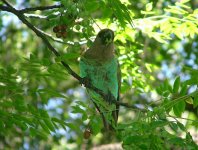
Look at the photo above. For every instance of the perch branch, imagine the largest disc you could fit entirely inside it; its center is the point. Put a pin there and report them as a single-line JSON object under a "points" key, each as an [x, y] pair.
{"points": [[26, 10]]}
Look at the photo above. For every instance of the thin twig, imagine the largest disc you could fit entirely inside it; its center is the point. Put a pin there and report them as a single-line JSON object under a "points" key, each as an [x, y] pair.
{"points": [[36, 16], [182, 118], [60, 40]]}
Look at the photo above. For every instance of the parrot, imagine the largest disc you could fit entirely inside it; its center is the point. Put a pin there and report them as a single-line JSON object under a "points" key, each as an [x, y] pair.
{"points": [[100, 66]]}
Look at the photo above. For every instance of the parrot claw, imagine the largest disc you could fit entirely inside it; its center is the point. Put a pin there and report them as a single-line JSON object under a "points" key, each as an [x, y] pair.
{"points": [[85, 81]]}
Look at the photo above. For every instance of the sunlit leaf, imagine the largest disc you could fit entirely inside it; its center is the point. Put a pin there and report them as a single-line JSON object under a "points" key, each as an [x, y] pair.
{"points": [[149, 6]]}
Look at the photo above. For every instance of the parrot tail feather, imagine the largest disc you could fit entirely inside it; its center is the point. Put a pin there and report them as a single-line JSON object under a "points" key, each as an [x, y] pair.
{"points": [[107, 126]]}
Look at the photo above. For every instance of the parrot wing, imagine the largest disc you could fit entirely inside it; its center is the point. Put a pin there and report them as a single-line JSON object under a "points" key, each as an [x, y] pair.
{"points": [[104, 77], [116, 112]]}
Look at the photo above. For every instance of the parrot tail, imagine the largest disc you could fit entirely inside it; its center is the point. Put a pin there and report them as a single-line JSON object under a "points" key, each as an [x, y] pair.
{"points": [[107, 126]]}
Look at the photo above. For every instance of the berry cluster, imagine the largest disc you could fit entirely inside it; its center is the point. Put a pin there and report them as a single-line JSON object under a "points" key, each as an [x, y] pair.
{"points": [[60, 30]]}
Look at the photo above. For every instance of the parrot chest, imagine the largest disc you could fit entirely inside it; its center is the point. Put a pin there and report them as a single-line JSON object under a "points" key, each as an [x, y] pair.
{"points": [[102, 75]]}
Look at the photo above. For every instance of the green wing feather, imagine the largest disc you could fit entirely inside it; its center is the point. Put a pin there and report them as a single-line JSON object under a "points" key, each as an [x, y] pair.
{"points": [[105, 76]]}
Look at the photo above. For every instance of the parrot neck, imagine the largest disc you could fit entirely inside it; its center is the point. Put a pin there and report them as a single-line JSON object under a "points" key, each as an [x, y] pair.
{"points": [[103, 53]]}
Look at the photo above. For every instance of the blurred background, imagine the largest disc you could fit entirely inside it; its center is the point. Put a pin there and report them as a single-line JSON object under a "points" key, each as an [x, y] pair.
{"points": [[44, 107]]}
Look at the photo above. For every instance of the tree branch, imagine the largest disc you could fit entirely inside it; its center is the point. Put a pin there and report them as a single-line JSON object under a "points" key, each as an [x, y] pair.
{"points": [[25, 10]]}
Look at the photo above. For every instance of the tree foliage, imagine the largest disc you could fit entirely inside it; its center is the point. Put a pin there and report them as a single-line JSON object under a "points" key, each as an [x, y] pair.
{"points": [[42, 104]]}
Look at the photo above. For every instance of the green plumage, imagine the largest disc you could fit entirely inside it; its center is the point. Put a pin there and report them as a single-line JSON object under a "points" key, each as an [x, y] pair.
{"points": [[102, 75], [100, 66]]}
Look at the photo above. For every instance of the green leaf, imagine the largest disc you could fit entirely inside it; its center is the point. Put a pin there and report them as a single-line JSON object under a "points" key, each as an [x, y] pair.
{"points": [[181, 126], [43, 113], [173, 126], [67, 57], [19, 103], [1, 125], [166, 93], [134, 139], [176, 85], [20, 124], [183, 90], [33, 132], [184, 1], [72, 126], [189, 137], [123, 125], [65, 2], [147, 12], [33, 110], [42, 135], [189, 100], [11, 70], [182, 5], [52, 16], [195, 101], [77, 109], [83, 104], [167, 86], [149, 6], [96, 124], [179, 108], [159, 90], [192, 81], [46, 62], [167, 105], [158, 123], [49, 124], [121, 12], [50, 92], [61, 122], [176, 141], [91, 5], [45, 127], [176, 10], [25, 119], [148, 67]]}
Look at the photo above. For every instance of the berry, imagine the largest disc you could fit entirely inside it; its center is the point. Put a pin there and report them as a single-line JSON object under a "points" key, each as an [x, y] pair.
{"points": [[58, 35], [55, 29], [87, 134], [63, 27], [64, 34]]}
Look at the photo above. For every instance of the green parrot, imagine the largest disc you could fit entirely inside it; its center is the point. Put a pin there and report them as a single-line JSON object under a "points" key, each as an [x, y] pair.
{"points": [[100, 66]]}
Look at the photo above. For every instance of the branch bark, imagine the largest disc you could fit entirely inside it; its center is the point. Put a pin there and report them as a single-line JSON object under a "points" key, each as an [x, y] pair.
{"points": [[26, 10]]}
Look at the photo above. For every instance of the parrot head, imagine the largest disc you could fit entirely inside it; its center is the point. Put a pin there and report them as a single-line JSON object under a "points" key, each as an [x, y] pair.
{"points": [[106, 36]]}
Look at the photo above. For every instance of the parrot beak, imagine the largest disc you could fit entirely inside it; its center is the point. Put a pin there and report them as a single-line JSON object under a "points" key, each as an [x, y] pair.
{"points": [[106, 36]]}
